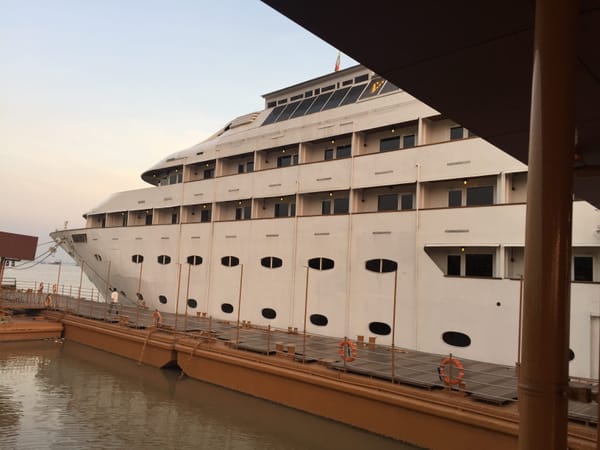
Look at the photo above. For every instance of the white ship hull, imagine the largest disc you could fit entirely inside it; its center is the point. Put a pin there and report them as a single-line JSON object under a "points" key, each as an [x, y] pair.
{"points": [[457, 282]]}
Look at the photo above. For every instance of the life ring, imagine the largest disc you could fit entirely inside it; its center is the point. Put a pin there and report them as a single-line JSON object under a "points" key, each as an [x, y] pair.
{"points": [[347, 350], [450, 360], [48, 301], [157, 317], [54, 288]]}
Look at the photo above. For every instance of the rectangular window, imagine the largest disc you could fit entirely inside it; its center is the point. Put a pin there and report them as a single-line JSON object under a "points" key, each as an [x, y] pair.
{"points": [[174, 218], [287, 160], [328, 154], [124, 220], [247, 212], [456, 133], [341, 205], [281, 210], [205, 215], [250, 166], [343, 151], [240, 168], [583, 268], [148, 219], [389, 144], [173, 179], [209, 173], [453, 267], [407, 201], [408, 141], [326, 207], [292, 209], [454, 198], [483, 195], [477, 265], [238, 213], [387, 202]]}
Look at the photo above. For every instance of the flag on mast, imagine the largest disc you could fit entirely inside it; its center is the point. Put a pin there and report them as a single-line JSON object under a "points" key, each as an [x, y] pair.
{"points": [[337, 62]]}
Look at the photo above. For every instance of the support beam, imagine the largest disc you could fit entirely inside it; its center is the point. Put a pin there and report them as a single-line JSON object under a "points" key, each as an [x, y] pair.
{"points": [[544, 372]]}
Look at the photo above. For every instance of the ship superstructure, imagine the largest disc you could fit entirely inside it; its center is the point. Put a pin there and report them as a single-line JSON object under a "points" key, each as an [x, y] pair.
{"points": [[350, 199]]}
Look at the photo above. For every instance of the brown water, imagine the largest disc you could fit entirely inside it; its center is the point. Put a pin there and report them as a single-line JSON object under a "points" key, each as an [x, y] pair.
{"points": [[67, 396]]}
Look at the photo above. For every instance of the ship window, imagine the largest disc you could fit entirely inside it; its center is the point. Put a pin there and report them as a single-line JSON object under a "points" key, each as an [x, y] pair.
{"points": [[319, 320], [194, 260], [268, 313], [209, 173], [389, 144], [571, 355], [483, 195], [230, 261], [346, 82], [285, 209], [374, 88], [341, 205], [380, 328], [139, 296], [456, 339], [326, 207], [389, 87], [192, 303], [138, 259], [408, 141], [271, 262], [80, 238], [319, 103], [353, 95], [387, 202], [148, 219], [271, 104], [406, 201], [454, 198], [328, 88], [227, 308], [321, 263], [479, 265], [328, 154], [287, 112], [583, 268], [162, 299], [343, 151], [361, 78], [296, 97], [243, 213], [453, 265], [336, 98], [164, 259], [456, 133], [205, 215], [303, 107], [381, 265]]}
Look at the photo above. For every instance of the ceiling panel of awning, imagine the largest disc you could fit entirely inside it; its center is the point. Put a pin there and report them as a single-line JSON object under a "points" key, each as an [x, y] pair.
{"points": [[470, 60]]}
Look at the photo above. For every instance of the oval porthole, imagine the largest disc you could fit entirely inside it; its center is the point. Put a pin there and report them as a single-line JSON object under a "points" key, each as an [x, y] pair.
{"points": [[227, 308], [271, 262], [571, 355], [139, 296], [192, 303], [319, 320], [162, 299], [380, 328], [381, 265], [230, 261], [268, 313], [321, 263], [456, 339], [164, 259], [137, 259], [194, 260]]}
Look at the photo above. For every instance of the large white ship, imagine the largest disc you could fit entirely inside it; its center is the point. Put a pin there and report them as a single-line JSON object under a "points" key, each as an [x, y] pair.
{"points": [[349, 197]]}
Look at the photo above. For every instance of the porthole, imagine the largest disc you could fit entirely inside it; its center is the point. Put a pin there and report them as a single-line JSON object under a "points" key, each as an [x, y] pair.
{"points": [[227, 308], [571, 355], [381, 265], [268, 313], [456, 339], [98, 257], [230, 261], [321, 263], [164, 259], [137, 259], [271, 262], [319, 320], [380, 328], [162, 299], [192, 303], [194, 260], [139, 296]]}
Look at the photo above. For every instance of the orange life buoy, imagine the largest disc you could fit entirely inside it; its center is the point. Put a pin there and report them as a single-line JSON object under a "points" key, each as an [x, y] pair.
{"points": [[450, 360], [48, 301], [347, 350], [54, 288]]}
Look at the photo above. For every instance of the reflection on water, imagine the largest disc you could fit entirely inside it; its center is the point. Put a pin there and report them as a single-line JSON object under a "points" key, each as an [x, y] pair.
{"points": [[68, 396]]}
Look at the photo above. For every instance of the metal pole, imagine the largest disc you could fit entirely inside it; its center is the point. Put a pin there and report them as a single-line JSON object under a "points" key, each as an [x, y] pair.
{"points": [[543, 381], [187, 297], [305, 313], [394, 326], [177, 299], [237, 336], [137, 295], [106, 299], [519, 343], [79, 291], [58, 278]]}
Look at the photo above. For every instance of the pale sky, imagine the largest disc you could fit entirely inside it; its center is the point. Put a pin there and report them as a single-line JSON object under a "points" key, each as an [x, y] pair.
{"points": [[94, 92]]}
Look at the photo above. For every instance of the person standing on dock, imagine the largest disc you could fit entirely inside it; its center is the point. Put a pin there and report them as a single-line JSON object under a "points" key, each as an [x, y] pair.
{"points": [[114, 300]]}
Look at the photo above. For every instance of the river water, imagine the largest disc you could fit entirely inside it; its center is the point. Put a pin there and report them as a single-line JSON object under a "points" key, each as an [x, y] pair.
{"points": [[63, 395]]}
